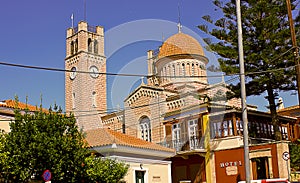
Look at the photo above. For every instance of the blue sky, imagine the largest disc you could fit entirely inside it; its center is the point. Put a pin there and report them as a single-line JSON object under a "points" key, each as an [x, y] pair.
{"points": [[33, 33]]}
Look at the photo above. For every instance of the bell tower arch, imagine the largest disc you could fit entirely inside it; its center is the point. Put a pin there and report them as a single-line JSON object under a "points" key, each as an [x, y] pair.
{"points": [[85, 84]]}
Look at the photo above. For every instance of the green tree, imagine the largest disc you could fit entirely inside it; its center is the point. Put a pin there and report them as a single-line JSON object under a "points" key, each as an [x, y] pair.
{"points": [[268, 51], [3, 153], [105, 170], [294, 156], [44, 140]]}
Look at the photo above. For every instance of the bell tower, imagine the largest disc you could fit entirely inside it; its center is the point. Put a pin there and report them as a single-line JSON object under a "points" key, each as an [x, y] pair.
{"points": [[85, 84]]}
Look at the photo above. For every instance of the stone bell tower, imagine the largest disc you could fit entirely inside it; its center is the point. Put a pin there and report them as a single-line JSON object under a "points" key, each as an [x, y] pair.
{"points": [[85, 83]]}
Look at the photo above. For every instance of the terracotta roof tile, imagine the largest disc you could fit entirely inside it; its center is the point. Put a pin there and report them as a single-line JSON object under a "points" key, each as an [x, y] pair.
{"points": [[105, 136], [180, 43], [21, 105]]}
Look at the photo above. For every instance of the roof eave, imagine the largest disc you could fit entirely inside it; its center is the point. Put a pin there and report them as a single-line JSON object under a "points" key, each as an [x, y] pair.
{"points": [[132, 151]]}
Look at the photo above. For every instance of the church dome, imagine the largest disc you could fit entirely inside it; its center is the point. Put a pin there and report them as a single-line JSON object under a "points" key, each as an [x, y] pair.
{"points": [[180, 44]]}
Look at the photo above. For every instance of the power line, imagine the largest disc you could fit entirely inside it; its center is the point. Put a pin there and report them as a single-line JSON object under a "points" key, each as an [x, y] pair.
{"points": [[140, 75]]}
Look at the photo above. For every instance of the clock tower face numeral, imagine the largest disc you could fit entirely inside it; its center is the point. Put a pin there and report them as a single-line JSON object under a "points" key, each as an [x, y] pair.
{"points": [[94, 71], [73, 73]]}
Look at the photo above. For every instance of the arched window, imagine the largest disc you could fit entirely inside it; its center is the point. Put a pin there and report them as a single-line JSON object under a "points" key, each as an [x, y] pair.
{"points": [[76, 46], [169, 72], [188, 69], [96, 46], [165, 74], [72, 48], [174, 72], [183, 69], [90, 45], [94, 101], [193, 69], [145, 128]]}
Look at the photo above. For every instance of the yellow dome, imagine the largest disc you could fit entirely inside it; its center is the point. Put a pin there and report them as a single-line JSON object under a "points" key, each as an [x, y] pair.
{"points": [[180, 44]]}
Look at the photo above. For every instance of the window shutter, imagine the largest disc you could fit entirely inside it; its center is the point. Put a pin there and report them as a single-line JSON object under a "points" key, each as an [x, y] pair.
{"points": [[168, 129]]}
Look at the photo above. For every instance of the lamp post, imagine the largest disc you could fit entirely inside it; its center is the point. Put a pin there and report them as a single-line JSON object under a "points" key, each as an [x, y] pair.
{"points": [[243, 91]]}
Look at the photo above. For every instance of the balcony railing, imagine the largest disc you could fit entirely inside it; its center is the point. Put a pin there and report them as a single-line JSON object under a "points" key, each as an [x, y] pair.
{"points": [[185, 144]]}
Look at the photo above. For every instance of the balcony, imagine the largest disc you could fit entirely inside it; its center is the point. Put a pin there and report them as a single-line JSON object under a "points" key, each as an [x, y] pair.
{"points": [[185, 144]]}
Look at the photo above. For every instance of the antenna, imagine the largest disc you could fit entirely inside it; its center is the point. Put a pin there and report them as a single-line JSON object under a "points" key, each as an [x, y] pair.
{"points": [[84, 9], [179, 21]]}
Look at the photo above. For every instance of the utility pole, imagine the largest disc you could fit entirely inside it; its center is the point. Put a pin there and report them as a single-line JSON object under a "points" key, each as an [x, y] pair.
{"points": [[243, 91], [294, 43]]}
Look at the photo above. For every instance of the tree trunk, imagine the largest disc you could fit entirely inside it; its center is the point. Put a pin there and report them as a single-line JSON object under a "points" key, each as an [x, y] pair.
{"points": [[275, 120]]}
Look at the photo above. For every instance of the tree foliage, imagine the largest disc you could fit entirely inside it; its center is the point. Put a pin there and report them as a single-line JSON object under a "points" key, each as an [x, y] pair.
{"points": [[105, 170], [49, 140], [44, 140], [3, 153], [294, 156], [268, 51]]}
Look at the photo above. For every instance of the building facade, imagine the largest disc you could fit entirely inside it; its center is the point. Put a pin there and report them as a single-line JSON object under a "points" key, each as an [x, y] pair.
{"points": [[148, 162], [179, 109], [85, 83]]}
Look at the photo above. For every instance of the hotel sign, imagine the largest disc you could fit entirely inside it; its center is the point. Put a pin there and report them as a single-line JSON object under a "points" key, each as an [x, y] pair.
{"points": [[230, 163], [231, 167]]}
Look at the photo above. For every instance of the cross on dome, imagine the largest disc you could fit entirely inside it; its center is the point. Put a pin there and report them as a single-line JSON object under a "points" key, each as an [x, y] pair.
{"points": [[179, 27]]}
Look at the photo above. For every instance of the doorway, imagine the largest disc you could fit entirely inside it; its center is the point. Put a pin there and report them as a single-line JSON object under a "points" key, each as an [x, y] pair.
{"points": [[260, 168], [139, 176]]}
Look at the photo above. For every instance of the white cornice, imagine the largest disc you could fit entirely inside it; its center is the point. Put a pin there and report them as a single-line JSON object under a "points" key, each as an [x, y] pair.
{"points": [[141, 160], [121, 149]]}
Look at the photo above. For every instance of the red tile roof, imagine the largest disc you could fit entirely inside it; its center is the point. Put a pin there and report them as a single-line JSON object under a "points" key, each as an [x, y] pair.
{"points": [[180, 43], [21, 105], [105, 136]]}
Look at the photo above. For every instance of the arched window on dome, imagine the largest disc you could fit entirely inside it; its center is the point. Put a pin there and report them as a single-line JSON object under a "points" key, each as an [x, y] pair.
{"points": [[197, 69], [174, 71], [164, 74], [169, 71], [183, 69], [193, 70], [178, 68], [188, 69], [145, 128]]}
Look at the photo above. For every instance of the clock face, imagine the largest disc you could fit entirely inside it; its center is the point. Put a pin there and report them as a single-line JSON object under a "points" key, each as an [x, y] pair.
{"points": [[73, 73], [94, 72]]}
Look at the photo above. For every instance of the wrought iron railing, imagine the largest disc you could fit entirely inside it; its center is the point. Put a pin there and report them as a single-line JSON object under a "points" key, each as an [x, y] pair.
{"points": [[185, 144]]}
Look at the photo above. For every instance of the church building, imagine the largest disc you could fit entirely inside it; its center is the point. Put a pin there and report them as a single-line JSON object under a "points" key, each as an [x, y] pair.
{"points": [[177, 108]]}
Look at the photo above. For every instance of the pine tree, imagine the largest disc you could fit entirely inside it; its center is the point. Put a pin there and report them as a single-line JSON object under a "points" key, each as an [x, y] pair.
{"points": [[268, 51]]}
